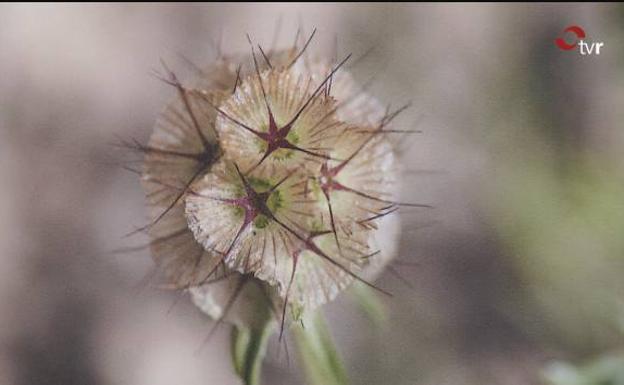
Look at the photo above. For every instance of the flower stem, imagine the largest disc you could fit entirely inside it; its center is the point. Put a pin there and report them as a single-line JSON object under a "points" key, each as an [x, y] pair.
{"points": [[249, 347], [319, 357]]}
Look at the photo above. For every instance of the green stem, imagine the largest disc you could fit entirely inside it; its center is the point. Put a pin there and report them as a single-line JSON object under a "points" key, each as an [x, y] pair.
{"points": [[320, 359], [248, 350], [369, 303]]}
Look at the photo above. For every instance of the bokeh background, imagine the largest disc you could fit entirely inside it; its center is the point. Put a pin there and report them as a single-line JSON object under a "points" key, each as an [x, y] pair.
{"points": [[516, 277]]}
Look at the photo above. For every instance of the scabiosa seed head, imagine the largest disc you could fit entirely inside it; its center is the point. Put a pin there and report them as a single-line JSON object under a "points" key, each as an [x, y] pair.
{"points": [[271, 179]]}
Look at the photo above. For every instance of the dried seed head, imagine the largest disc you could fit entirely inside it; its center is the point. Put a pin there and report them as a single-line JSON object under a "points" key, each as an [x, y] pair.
{"points": [[279, 174]]}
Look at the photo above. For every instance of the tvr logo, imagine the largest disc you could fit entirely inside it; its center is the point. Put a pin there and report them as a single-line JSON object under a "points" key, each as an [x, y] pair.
{"points": [[584, 48]]}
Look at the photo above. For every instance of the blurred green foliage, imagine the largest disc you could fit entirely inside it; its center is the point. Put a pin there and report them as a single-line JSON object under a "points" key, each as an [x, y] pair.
{"points": [[606, 370]]}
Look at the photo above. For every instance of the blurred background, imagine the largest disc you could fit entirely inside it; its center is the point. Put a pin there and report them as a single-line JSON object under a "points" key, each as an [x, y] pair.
{"points": [[514, 278]]}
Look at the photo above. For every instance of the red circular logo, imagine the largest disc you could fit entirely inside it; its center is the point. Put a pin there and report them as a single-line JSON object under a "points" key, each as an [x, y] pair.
{"points": [[576, 30]]}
